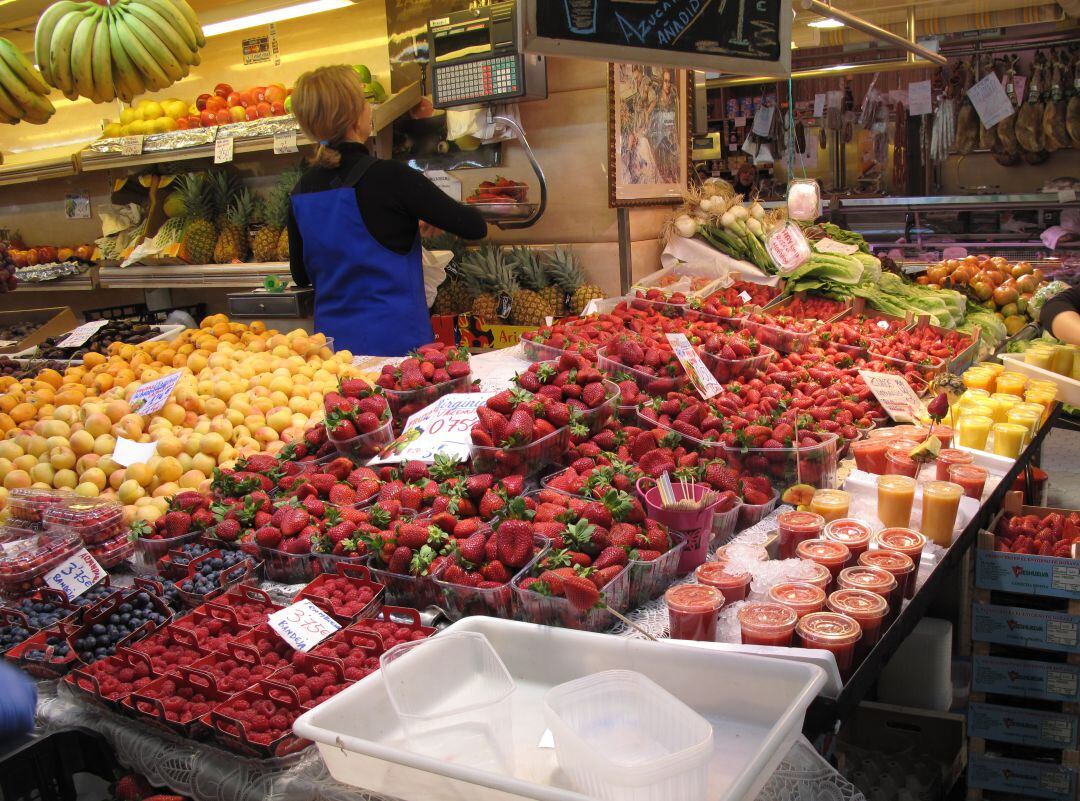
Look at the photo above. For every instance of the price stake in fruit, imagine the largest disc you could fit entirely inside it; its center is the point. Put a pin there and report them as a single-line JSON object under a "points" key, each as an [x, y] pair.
{"points": [[444, 427], [303, 625], [75, 575], [152, 396], [894, 394], [704, 381], [81, 334]]}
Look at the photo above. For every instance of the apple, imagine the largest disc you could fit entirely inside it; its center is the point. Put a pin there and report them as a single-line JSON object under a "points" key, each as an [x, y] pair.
{"points": [[84, 252], [252, 112], [423, 109], [233, 99], [237, 113], [200, 101], [224, 117], [245, 99], [33, 257], [195, 120], [47, 253], [208, 118], [183, 123], [223, 90], [288, 104], [275, 93], [216, 104], [277, 108], [264, 109], [258, 94], [65, 254]]}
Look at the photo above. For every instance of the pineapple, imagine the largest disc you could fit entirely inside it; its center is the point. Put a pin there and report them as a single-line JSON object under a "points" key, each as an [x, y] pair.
{"points": [[530, 305], [283, 245], [453, 297], [265, 243], [566, 273], [232, 242], [488, 277], [200, 234], [224, 187]]}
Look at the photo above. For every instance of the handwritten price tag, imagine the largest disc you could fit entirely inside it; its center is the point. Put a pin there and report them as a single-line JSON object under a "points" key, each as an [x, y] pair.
{"points": [[819, 104], [284, 143], [919, 98], [788, 248], [744, 296], [827, 245], [152, 396], [131, 146], [883, 325], [76, 575], [703, 380], [894, 394], [442, 428], [223, 150], [991, 102], [303, 625], [81, 334]]}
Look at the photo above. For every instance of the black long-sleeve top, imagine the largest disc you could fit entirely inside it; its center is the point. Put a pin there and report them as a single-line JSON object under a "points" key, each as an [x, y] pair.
{"points": [[392, 198], [1069, 300]]}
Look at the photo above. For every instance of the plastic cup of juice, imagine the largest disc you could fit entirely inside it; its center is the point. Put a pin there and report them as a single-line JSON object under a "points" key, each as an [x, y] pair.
{"points": [[875, 580], [831, 504], [868, 608], [832, 632], [767, 624], [1039, 357], [1010, 383], [947, 457], [901, 566], [733, 586], [915, 433], [977, 378], [971, 477], [1042, 396], [833, 555], [803, 598], [1042, 409], [994, 367], [898, 462], [943, 433], [972, 395], [819, 575], [1009, 439], [984, 408], [1042, 383], [1027, 418], [1002, 404], [852, 533], [870, 453], [940, 503], [895, 494], [741, 551], [908, 542], [973, 430], [794, 527], [882, 433], [692, 611]]}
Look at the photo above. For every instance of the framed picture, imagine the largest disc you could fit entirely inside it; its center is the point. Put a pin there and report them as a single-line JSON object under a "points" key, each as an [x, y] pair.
{"points": [[648, 134]]}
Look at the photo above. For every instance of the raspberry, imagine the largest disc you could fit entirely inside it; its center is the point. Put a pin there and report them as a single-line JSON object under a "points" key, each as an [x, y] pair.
{"points": [[259, 723]]}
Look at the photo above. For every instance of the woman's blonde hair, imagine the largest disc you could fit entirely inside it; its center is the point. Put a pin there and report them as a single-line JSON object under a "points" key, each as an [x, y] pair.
{"points": [[327, 103]]}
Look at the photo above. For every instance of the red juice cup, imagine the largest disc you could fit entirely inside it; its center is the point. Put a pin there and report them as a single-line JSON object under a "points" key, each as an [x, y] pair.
{"points": [[943, 433], [900, 565], [767, 624], [883, 433], [870, 454], [875, 580], [910, 543], [971, 477], [831, 554], [734, 586], [899, 463], [915, 433], [692, 611], [855, 534], [821, 576], [803, 598], [741, 550], [794, 527], [868, 608], [947, 457], [832, 632]]}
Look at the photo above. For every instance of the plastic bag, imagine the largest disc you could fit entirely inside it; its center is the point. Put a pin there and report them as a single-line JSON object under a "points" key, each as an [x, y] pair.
{"points": [[435, 262]]}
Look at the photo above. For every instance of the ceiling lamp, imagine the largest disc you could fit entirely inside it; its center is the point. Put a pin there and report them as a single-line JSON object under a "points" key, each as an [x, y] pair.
{"points": [[826, 23], [273, 15]]}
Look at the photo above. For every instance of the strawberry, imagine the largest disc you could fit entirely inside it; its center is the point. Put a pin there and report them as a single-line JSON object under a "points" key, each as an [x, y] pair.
{"points": [[472, 548], [293, 521], [495, 572], [412, 535], [593, 395], [581, 593], [342, 494], [399, 560], [313, 506], [268, 537], [228, 530], [366, 422], [609, 557], [177, 524], [514, 542]]}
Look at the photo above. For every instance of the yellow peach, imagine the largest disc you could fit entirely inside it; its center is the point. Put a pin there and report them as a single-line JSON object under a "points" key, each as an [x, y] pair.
{"points": [[65, 479]]}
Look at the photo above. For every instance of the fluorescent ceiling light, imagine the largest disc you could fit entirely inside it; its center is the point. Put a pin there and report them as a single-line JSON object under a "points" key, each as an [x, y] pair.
{"points": [[276, 15], [826, 23]]}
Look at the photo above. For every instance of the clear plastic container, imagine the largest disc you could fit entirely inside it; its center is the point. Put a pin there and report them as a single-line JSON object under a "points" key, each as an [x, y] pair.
{"points": [[288, 568], [595, 419], [767, 624], [815, 465], [555, 611], [752, 514], [405, 590], [692, 611], [831, 504], [899, 565], [875, 580], [95, 520], [460, 600], [725, 370], [804, 598], [724, 524], [794, 527], [28, 505], [734, 586], [465, 717], [621, 737], [148, 551], [524, 459], [364, 446], [868, 608], [112, 552], [650, 384], [927, 372], [407, 402], [777, 337], [852, 533], [832, 632], [24, 563], [648, 580], [947, 457], [971, 477], [833, 555], [908, 542]]}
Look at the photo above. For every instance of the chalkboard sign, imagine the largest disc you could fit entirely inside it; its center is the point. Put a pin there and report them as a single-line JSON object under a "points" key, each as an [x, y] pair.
{"points": [[746, 37]]}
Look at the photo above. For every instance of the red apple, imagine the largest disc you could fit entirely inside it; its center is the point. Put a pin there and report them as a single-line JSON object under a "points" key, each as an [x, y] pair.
{"points": [[275, 93], [208, 119], [224, 117], [47, 254], [182, 123], [200, 101], [252, 112], [245, 100], [258, 94], [277, 108], [223, 90], [264, 109], [216, 103], [195, 121], [233, 99]]}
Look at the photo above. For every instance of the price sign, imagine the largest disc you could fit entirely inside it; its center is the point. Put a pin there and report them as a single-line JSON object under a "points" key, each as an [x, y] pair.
{"points": [[303, 625], [819, 105], [744, 296], [788, 248], [446, 182], [284, 143], [1066, 195], [991, 102], [883, 325], [75, 575], [131, 146], [152, 396], [81, 334], [703, 380], [827, 245], [223, 150], [128, 452], [763, 120], [9, 343], [894, 394], [919, 101], [444, 427]]}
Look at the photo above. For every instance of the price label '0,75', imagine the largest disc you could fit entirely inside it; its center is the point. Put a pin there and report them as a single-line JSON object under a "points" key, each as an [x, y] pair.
{"points": [[303, 625]]}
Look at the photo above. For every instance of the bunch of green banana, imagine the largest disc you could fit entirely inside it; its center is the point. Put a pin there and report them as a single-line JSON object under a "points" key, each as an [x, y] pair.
{"points": [[119, 50], [23, 94]]}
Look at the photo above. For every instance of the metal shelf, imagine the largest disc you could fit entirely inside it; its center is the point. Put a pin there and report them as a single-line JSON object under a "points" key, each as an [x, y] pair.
{"points": [[23, 168], [225, 276], [81, 283], [952, 202]]}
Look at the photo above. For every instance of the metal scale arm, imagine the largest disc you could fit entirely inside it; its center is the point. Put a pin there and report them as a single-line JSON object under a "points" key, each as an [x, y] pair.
{"points": [[539, 211]]}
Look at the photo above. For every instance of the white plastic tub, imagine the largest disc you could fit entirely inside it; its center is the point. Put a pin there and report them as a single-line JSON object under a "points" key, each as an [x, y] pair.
{"points": [[754, 704]]}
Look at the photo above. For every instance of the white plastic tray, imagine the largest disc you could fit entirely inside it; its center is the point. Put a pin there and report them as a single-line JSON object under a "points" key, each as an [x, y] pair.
{"points": [[756, 706], [1068, 389]]}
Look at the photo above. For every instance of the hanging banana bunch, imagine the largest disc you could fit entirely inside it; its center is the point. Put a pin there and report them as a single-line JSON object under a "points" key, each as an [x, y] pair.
{"points": [[119, 50], [23, 94]]}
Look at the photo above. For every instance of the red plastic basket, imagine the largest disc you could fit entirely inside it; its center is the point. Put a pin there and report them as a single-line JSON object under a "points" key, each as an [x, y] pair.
{"points": [[233, 734], [359, 579], [146, 704]]}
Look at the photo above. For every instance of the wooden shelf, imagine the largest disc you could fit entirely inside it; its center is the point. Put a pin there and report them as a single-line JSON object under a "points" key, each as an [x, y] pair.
{"points": [[22, 168], [225, 276], [80, 283]]}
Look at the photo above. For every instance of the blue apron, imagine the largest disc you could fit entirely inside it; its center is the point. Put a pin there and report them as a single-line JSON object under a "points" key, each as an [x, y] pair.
{"points": [[367, 297]]}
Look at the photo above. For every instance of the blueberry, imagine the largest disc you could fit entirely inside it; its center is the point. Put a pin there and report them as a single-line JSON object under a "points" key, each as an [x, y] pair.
{"points": [[98, 629]]}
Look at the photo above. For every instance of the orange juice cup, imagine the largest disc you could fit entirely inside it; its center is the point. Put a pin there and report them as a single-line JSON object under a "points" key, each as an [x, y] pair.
{"points": [[975, 378], [831, 504], [868, 608], [1009, 439], [973, 429], [1011, 383], [875, 580], [895, 494], [947, 457], [833, 555], [940, 503], [943, 433], [908, 542], [853, 534], [832, 632], [820, 577], [1003, 403], [899, 463], [971, 477], [692, 611], [1028, 418], [1043, 409], [734, 586], [994, 367], [1043, 397], [870, 453], [767, 624], [794, 527], [803, 598]]}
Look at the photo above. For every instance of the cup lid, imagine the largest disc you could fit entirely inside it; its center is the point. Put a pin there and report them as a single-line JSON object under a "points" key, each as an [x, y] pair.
{"points": [[896, 482], [859, 604], [834, 495], [955, 456], [693, 598], [866, 577], [796, 519], [942, 489], [742, 551], [718, 573], [822, 549], [829, 628], [968, 471], [797, 592], [890, 561], [817, 574], [901, 539], [848, 530], [768, 616]]}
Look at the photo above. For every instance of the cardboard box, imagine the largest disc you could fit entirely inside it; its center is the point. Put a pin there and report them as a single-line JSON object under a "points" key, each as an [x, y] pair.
{"points": [[1025, 628], [1025, 678], [55, 320], [1022, 777], [1009, 724], [479, 334]]}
